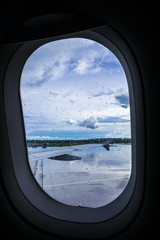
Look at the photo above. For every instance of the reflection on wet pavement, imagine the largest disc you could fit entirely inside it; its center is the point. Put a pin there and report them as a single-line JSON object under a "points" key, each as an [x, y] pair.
{"points": [[96, 179]]}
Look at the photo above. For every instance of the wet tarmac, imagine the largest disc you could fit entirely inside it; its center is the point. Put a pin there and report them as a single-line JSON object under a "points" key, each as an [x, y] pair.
{"points": [[93, 179]]}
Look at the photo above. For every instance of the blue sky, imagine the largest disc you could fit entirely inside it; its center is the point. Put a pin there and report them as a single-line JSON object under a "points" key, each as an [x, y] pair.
{"points": [[73, 89]]}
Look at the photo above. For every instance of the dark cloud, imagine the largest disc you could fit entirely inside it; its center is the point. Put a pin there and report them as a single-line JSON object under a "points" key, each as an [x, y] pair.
{"points": [[112, 119], [88, 123], [123, 100], [110, 63], [104, 93], [54, 94]]}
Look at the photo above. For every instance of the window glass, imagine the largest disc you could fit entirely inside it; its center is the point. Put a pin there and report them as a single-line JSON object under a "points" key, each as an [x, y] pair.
{"points": [[76, 109]]}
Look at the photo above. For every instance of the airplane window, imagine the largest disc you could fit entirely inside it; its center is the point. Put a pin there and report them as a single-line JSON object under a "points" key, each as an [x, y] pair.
{"points": [[76, 108]]}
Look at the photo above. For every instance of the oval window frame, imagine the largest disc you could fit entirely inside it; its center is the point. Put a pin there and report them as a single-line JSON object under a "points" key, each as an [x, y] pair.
{"points": [[23, 108], [40, 203]]}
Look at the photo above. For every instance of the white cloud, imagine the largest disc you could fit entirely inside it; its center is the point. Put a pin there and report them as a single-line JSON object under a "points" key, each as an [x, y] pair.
{"points": [[53, 60], [58, 83], [81, 66], [71, 121], [42, 138]]}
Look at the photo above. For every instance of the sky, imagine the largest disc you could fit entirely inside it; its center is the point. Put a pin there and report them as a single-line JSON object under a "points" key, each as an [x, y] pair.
{"points": [[74, 89]]}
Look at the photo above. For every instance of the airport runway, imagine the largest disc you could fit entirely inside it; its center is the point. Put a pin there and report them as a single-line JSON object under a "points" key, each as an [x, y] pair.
{"points": [[96, 179]]}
